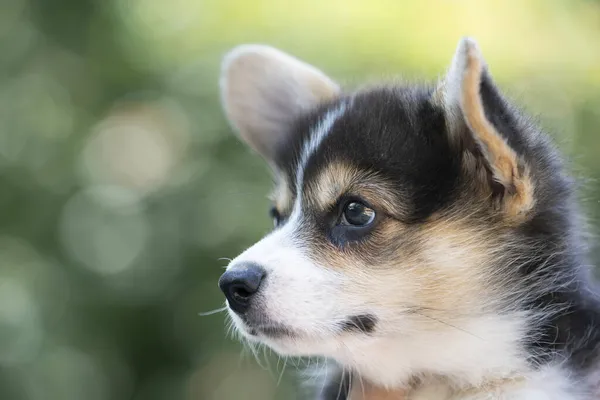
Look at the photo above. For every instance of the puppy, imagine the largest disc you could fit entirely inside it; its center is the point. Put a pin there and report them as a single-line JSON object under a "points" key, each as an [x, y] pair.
{"points": [[426, 237]]}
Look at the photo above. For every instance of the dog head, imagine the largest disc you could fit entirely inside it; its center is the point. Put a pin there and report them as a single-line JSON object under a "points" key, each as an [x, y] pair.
{"points": [[397, 209]]}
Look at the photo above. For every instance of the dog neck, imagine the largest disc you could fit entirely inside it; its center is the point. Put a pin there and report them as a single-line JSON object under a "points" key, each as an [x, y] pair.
{"points": [[477, 351]]}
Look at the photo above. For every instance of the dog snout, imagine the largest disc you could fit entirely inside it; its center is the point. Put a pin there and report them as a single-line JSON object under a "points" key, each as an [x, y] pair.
{"points": [[240, 283]]}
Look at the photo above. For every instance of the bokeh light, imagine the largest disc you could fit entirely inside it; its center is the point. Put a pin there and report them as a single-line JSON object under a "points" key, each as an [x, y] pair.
{"points": [[106, 238], [69, 374], [20, 328]]}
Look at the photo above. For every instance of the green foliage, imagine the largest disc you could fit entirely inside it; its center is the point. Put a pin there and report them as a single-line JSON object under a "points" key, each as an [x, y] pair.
{"points": [[122, 185]]}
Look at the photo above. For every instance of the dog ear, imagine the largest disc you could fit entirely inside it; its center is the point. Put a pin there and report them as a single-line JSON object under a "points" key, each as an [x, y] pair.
{"points": [[262, 88], [486, 150]]}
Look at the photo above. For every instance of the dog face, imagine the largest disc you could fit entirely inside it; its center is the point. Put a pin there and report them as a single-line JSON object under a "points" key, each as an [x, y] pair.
{"points": [[394, 208]]}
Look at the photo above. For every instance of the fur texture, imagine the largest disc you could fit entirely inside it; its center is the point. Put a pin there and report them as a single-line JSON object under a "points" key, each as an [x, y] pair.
{"points": [[469, 281]]}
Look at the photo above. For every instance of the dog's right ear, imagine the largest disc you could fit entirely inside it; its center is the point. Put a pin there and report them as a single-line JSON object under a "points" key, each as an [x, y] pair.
{"points": [[262, 88]]}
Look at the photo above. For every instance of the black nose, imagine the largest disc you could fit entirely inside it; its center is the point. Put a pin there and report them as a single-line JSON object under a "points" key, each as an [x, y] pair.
{"points": [[240, 283]]}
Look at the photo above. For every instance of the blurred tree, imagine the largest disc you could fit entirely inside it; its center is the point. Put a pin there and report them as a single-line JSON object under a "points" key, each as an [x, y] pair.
{"points": [[122, 185]]}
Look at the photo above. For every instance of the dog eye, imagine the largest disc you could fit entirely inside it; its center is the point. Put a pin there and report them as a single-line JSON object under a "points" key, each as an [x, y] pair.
{"points": [[357, 214], [275, 216]]}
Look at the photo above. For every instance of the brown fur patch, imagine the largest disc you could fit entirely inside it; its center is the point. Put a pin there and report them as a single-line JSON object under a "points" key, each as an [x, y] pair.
{"points": [[459, 95], [281, 196], [507, 168], [452, 266], [366, 391], [339, 179]]}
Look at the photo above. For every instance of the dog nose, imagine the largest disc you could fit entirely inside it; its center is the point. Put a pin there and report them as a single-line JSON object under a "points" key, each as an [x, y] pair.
{"points": [[240, 283]]}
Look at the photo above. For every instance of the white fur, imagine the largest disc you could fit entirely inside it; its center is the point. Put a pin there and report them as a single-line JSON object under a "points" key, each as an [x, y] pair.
{"points": [[487, 346], [453, 82], [293, 279], [297, 293], [316, 138], [549, 383]]}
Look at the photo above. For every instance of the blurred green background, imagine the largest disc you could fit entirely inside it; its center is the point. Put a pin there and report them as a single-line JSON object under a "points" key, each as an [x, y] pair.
{"points": [[122, 186]]}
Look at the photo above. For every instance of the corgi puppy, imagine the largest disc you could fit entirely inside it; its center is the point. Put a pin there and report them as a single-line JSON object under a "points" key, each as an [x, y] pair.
{"points": [[426, 239]]}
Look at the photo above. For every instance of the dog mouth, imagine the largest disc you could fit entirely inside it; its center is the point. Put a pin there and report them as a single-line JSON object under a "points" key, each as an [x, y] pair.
{"points": [[272, 331], [363, 323]]}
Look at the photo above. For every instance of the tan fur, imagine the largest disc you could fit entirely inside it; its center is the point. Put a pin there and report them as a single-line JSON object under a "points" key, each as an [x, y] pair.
{"points": [[451, 266], [460, 95], [367, 391], [429, 390], [338, 179], [503, 160], [438, 389], [281, 196]]}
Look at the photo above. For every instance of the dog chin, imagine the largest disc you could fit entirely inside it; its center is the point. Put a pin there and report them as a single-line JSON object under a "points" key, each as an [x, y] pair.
{"points": [[285, 340]]}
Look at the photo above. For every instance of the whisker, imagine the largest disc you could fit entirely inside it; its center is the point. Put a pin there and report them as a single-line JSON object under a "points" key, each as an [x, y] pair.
{"points": [[267, 362], [362, 385], [255, 351], [282, 371], [447, 324], [212, 312], [324, 382], [350, 376], [342, 383], [243, 356]]}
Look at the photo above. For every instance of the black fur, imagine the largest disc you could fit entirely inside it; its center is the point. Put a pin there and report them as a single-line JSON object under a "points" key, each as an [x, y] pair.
{"points": [[360, 323], [573, 332]]}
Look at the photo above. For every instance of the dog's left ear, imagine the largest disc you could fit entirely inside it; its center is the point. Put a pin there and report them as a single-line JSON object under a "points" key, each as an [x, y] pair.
{"points": [[463, 95]]}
